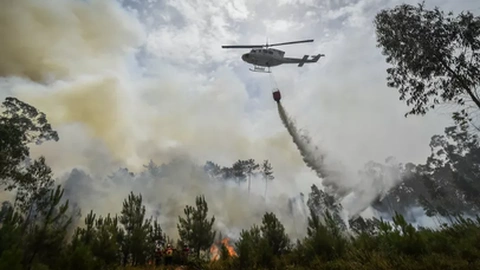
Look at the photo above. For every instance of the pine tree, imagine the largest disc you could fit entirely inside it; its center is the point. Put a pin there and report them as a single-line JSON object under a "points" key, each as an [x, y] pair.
{"points": [[267, 173], [136, 229], [195, 229], [245, 170], [273, 232]]}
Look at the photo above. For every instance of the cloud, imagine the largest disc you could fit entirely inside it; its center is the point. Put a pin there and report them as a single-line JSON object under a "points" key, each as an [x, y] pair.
{"points": [[205, 25]]}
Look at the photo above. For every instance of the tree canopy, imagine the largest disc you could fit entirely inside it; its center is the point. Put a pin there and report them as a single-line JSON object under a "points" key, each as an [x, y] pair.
{"points": [[434, 57]]}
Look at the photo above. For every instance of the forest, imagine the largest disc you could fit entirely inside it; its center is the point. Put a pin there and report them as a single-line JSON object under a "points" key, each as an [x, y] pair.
{"points": [[434, 59]]}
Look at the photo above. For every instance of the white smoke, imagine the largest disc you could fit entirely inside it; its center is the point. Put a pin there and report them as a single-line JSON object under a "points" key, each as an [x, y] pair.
{"points": [[165, 195], [75, 61], [76, 64]]}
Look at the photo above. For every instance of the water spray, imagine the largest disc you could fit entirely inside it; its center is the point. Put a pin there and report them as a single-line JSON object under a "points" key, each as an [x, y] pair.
{"points": [[313, 156]]}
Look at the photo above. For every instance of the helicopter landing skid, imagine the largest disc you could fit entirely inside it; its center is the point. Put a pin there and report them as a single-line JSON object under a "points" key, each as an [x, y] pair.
{"points": [[259, 69]]}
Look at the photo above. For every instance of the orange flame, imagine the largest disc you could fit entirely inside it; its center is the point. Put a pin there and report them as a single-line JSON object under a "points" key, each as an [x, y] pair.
{"points": [[215, 251]]}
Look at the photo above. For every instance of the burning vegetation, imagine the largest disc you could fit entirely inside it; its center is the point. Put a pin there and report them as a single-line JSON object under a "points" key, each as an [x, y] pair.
{"points": [[222, 249]]}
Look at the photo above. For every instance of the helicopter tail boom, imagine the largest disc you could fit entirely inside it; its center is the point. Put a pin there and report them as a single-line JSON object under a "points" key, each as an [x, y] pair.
{"points": [[302, 61]]}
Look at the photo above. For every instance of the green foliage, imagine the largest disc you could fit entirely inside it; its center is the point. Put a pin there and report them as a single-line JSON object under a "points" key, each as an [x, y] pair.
{"points": [[325, 240], [20, 125], [274, 234], [46, 234], [81, 257], [102, 239], [195, 229], [261, 245], [248, 246], [11, 259], [445, 185], [321, 203], [135, 237], [435, 57]]}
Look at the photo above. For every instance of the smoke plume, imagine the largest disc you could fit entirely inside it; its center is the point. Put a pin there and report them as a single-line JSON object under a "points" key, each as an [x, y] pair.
{"points": [[76, 61]]}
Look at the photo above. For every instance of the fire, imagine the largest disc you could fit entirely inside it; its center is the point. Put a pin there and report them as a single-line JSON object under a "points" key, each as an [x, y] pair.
{"points": [[215, 249], [214, 252]]}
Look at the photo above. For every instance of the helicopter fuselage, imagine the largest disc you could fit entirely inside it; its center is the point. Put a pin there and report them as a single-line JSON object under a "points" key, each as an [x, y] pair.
{"points": [[265, 57]]}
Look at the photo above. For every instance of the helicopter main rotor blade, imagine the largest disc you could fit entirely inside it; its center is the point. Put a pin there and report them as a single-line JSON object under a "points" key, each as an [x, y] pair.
{"points": [[266, 45], [241, 46], [290, 42]]}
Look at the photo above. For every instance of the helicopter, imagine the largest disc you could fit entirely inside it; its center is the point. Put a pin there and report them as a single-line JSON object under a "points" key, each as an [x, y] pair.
{"points": [[262, 57]]}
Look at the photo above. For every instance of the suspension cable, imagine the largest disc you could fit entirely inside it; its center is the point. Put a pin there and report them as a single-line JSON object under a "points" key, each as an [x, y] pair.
{"points": [[273, 82]]}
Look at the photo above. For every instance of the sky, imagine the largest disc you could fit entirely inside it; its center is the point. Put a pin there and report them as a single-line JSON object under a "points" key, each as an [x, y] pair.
{"points": [[126, 83], [342, 100]]}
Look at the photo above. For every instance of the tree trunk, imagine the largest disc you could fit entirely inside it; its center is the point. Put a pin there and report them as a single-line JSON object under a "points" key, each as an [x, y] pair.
{"points": [[39, 242], [265, 193], [461, 80], [125, 259]]}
